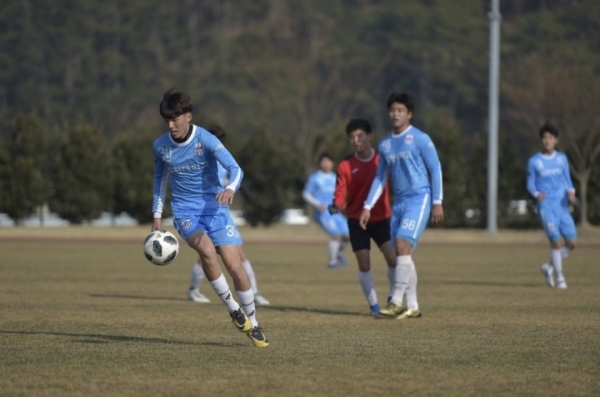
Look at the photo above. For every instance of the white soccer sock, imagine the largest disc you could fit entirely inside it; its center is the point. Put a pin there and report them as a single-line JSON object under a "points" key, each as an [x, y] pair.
{"points": [[564, 252], [248, 268], [247, 303], [334, 249], [556, 263], [197, 276], [368, 286], [222, 289], [411, 291], [404, 266], [391, 272]]}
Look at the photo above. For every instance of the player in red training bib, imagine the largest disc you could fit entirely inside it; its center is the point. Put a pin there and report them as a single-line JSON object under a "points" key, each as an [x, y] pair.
{"points": [[354, 177]]}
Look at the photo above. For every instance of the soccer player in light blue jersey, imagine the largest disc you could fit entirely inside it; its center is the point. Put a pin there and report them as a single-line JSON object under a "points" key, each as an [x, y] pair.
{"points": [[187, 156], [318, 192], [197, 274], [409, 159], [549, 181]]}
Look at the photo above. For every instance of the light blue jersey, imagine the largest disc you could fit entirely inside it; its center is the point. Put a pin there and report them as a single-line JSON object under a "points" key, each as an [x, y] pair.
{"points": [[319, 191], [549, 174], [411, 162], [192, 169], [223, 175]]}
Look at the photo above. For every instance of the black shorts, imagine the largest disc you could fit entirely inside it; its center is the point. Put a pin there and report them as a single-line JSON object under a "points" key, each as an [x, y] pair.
{"points": [[361, 238]]}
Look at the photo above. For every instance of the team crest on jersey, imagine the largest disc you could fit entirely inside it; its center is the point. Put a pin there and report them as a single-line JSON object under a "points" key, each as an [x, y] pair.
{"points": [[386, 145], [199, 149], [165, 153], [409, 139]]}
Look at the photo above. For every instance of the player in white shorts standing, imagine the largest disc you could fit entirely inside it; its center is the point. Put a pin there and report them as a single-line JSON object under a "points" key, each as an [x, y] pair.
{"points": [[197, 274], [409, 159]]}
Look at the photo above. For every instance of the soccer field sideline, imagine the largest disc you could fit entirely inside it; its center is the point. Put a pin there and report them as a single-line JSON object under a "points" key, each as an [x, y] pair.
{"points": [[309, 234]]}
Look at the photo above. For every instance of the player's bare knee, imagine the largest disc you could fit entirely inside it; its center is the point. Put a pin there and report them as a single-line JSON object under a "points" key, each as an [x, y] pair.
{"points": [[403, 247], [555, 245], [571, 245]]}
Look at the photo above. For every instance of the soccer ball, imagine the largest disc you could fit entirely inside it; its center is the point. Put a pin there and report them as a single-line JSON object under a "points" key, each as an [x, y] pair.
{"points": [[161, 247]]}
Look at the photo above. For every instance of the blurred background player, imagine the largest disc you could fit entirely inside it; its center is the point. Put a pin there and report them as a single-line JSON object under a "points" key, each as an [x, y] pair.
{"points": [[549, 181], [318, 192], [187, 157], [409, 158], [354, 177], [197, 275]]}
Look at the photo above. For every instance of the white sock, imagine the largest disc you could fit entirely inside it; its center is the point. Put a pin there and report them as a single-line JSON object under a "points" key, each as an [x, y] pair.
{"points": [[248, 268], [197, 276], [411, 291], [565, 252], [391, 271], [222, 289], [247, 303], [556, 263], [334, 249], [368, 286], [404, 266]]}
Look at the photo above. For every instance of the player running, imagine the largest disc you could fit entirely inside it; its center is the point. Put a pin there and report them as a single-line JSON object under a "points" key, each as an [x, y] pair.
{"points": [[354, 176], [318, 192], [188, 156], [409, 159], [549, 181], [197, 275]]}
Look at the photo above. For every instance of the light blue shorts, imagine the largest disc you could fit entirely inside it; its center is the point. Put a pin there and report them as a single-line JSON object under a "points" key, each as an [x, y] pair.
{"points": [[557, 221], [219, 227], [410, 217], [334, 225]]}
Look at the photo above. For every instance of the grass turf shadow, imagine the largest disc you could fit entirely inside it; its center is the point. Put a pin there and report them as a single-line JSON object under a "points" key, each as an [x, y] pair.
{"points": [[103, 338], [309, 310]]}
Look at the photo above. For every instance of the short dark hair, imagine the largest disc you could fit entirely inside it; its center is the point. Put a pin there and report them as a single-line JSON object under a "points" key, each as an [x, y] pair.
{"points": [[174, 104], [325, 155], [403, 98], [358, 124], [217, 131], [548, 128]]}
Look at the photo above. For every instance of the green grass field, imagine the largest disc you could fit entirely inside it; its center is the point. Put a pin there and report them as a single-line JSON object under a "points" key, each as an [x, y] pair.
{"points": [[96, 319]]}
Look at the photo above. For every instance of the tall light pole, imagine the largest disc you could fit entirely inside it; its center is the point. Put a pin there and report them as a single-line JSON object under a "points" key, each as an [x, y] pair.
{"points": [[492, 210]]}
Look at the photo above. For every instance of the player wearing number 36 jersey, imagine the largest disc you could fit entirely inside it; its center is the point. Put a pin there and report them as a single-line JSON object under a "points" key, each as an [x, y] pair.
{"points": [[409, 159]]}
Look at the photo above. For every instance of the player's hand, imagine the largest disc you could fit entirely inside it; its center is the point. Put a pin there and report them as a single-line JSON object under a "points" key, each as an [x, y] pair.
{"points": [[321, 208], [333, 209], [225, 197], [572, 197], [437, 214], [156, 224], [364, 218], [541, 197]]}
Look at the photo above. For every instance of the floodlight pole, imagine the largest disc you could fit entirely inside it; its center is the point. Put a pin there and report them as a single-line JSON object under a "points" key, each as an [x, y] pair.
{"points": [[492, 210]]}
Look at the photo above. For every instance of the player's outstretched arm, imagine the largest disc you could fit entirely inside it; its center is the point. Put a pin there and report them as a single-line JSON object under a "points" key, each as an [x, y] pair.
{"points": [[307, 194]]}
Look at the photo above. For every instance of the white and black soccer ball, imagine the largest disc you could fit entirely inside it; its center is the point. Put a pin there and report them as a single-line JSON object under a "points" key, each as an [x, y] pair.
{"points": [[161, 247]]}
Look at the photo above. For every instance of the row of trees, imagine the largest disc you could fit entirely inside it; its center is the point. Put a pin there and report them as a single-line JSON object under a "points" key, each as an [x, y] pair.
{"points": [[283, 78], [79, 173]]}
